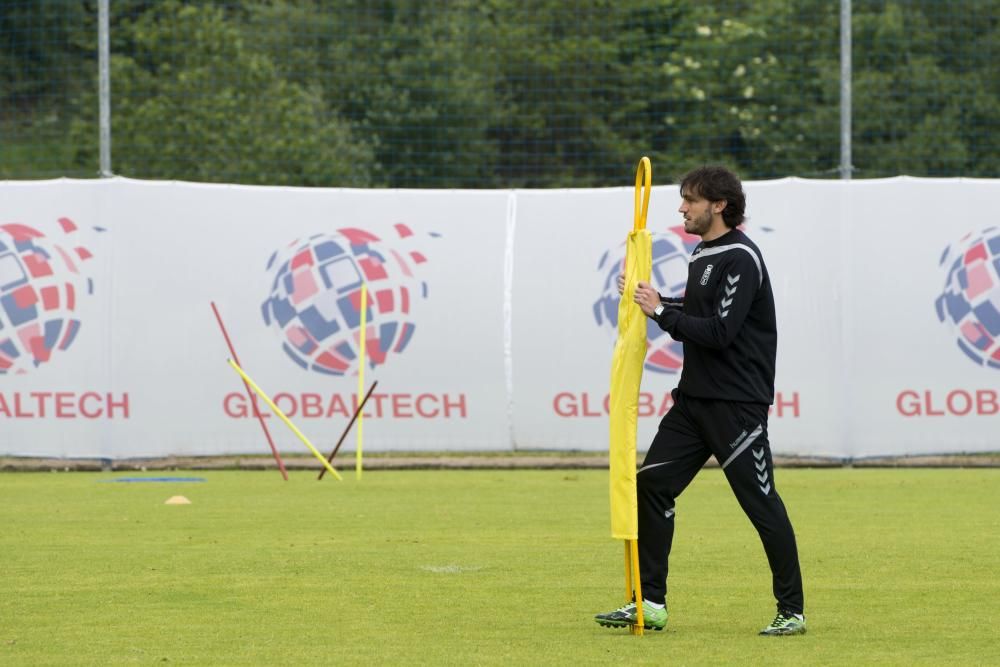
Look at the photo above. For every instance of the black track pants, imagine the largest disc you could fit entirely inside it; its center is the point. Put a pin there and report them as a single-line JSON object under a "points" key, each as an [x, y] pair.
{"points": [[736, 434]]}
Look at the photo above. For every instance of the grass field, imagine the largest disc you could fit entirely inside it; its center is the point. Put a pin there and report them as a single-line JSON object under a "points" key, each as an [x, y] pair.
{"points": [[484, 567]]}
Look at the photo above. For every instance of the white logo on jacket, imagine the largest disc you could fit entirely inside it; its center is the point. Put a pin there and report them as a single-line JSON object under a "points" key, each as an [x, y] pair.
{"points": [[704, 276]]}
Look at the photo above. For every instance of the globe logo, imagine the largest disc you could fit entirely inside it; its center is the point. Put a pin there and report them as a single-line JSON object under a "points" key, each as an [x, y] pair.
{"points": [[314, 303], [970, 302], [671, 251], [41, 285]]}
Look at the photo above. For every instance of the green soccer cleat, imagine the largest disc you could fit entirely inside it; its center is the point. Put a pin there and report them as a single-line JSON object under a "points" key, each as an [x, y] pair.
{"points": [[652, 618], [786, 623]]}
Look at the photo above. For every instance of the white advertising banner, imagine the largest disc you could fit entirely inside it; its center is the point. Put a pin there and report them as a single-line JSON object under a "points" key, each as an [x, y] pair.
{"points": [[924, 302], [284, 267], [58, 391], [491, 315], [565, 313]]}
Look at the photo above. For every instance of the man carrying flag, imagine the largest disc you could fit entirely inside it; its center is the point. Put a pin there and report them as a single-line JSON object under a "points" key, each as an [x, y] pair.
{"points": [[727, 324]]}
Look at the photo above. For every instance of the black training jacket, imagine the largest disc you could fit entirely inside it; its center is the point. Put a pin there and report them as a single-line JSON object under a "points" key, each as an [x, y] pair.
{"points": [[727, 322]]}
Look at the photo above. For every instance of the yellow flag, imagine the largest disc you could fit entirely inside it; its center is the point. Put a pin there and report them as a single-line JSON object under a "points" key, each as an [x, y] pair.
{"points": [[626, 367]]}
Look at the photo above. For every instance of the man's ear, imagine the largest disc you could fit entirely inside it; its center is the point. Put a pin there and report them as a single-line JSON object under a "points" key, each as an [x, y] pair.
{"points": [[719, 206]]}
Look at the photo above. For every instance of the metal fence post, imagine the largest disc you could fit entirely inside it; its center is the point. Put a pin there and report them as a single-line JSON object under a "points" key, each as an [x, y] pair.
{"points": [[104, 86], [845, 90]]}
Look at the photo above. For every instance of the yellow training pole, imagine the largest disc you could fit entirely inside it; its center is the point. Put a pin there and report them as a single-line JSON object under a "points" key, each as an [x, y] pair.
{"points": [[643, 188], [361, 376], [633, 549], [288, 422], [626, 377], [628, 571]]}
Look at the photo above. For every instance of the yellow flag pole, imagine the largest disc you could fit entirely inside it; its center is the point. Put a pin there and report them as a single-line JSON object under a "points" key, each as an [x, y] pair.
{"points": [[288, 422], [626, 378], [629, 591], [361, 376], [643, 189], [633, 550]]}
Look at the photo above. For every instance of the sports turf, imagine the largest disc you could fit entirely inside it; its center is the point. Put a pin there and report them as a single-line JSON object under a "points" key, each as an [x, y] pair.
{"points": [[484, 567]]}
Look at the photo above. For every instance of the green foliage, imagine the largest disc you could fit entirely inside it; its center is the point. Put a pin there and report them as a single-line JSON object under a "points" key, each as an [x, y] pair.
{"points": [[410, 74], [500, 93], [749, 89], [36, 42], [484, 567], [210, 109], [923, 110], [41, 68]]}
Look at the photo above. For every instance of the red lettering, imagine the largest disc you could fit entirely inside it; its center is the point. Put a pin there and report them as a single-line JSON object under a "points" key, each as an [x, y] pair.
{"points": [[986, 402], [930, 407], [17, 408], [957, 403], [318, 406], [950, 403], [69, 405], [90, 395], [646, 408], [337, 407], [312, 405], [420, 406], [585, 408], [564, 404], [378, 403], [401, 402], [290, 400], [122, 403], [780, 404], [40, 397], [64, 405], [356, 401], [257, 412], [911, 406], [459, 404], [234, 406]]}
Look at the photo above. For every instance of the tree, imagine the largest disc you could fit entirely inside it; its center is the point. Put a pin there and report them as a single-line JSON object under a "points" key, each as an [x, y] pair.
{"points": [[926, 92], [504, 93], [208, 108]]}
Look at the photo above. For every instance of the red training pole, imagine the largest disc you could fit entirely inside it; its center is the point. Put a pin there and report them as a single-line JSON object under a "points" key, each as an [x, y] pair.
{"points": [[253, 398], [357, 411]]}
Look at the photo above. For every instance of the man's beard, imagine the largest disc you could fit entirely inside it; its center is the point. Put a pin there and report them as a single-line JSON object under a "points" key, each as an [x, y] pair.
{"points": [[699, 225]]}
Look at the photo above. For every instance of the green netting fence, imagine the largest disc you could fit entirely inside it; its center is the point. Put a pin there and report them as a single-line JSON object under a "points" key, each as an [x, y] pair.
{"points": [[497, 93]]}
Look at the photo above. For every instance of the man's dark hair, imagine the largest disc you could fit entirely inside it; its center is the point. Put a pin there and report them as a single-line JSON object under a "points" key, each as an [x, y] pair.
{"points": [[716, 183]]}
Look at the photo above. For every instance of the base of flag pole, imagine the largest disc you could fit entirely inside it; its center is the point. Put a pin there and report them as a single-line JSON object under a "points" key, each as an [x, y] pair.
{"points": [[633, 586]]}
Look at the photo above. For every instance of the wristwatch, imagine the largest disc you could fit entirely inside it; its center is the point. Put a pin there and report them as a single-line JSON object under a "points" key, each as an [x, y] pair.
{"points": [[657, 311]]}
